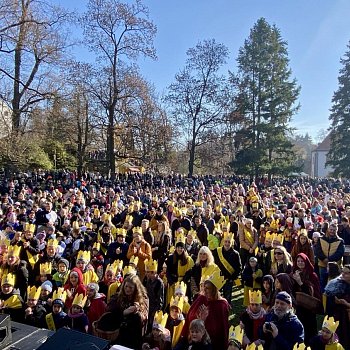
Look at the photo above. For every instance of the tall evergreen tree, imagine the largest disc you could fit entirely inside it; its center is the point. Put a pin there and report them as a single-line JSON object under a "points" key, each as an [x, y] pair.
{"points": [[339, 154], [267, 99]]}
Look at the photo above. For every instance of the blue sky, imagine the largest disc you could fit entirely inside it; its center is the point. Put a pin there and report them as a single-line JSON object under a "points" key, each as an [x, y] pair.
{"points": [[317, 33]]}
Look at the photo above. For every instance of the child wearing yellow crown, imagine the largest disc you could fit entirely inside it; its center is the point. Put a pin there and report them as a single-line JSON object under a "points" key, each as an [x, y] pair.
{"points": [[251, 277], [253, 318], [11, 302], [77, 319], [327, 338], [35, 312], [17, 267], [159, 338], [83, 263], [235, 338], [57, 318], [155, 290]]}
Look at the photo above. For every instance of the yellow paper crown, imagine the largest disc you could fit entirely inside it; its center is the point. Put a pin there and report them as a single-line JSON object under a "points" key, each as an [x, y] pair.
{"points": [[300, 346], [45, 268], [121, 232], [84, 255], [178, 302], [129, 270], [255, 297], [160, 319], [151, 265], [8, 278], [229, 236], [236, 333], [279, 237], [106, 217], [217, 228], [79, 300], [274, 224], [29, 227], [129, 219], [117, 265], [134, 260], [193, 233], [5, 242], [33, 292], [216, 279], [180, 238], [172, 250], [180, 287], [96, 246], [60, 293], [270, 212], [88, 225], [137, 229], [96, 212], [52, 243], [269, 236], [330, 324], [14, 250]]}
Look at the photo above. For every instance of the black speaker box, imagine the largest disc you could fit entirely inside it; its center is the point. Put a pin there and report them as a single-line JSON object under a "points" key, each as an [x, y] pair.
{"points": [[5, 330], [67, 339]]}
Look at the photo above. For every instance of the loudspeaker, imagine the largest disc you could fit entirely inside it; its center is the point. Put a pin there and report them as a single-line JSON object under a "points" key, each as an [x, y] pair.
{"points": [[68, 339], [5, 330]]}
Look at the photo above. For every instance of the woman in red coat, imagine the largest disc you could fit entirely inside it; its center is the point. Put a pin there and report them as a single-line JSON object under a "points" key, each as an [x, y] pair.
{"points": [[95, 306], [213, 310], [73, 286]]}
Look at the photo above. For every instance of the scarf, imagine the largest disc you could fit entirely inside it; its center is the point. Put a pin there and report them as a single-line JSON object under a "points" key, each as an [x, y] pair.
{"points": [[256, 316]]}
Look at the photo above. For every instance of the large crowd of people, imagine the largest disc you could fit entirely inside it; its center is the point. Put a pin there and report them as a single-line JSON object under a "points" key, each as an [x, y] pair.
{"points": [[151, 262]]}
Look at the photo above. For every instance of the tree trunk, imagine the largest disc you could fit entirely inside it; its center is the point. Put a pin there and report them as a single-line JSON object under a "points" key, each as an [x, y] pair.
{"points": [[110, 142], [191, 160]]}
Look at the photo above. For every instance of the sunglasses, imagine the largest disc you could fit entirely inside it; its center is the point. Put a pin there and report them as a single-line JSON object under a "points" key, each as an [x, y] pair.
{"points": [[279, 253]]}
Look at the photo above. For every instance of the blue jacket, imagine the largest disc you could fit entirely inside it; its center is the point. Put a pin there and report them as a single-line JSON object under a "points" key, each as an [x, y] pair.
{"points": [[290, 331]]}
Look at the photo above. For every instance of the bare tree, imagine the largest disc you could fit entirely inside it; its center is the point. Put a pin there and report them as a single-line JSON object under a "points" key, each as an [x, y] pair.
{"points": [[114, 30], [32, 42], [199, 97]]}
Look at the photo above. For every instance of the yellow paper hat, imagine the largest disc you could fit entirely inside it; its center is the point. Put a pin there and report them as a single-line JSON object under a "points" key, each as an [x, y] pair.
{"points": [[60, 293], [5, 242], [29, 227], [33, 292], [117, 265], [96, 212], [180, 238], [96, 246], [193, 233], [300, 346], [106, 217], [134, 260], [121, 232], [178, 302], [137, 229], [217, 228], [129, 219], [269, 236], [79, 300], [151, 265], [236, 333], [274, 224], [279, 238], [160, 319], [84, 255], [129, 270], [270, 212], [229, 236], [8, 278], [330, 324], [52, 243], [216, 279], [45, 268], [88, 225], [14, 250], [180, 287], [255, 297]]}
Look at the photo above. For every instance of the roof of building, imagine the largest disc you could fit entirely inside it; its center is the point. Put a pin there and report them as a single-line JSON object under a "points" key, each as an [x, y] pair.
{"points": [[325, 145]]}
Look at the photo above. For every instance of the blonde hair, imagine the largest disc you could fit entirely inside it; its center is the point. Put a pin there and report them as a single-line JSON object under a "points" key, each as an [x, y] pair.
{"points": [[198, 325], [210, 258]]}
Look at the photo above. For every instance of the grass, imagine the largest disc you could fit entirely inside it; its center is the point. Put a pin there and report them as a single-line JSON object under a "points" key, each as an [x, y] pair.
{"points": [[236, 305]]}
